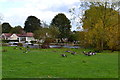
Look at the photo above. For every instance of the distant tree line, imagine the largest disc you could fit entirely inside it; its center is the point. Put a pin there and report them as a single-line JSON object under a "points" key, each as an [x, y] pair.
{"points": [[59, 27]]}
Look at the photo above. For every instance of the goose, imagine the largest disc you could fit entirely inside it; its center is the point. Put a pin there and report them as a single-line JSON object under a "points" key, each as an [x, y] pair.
{"points": [[73, 53], [63, 55]]}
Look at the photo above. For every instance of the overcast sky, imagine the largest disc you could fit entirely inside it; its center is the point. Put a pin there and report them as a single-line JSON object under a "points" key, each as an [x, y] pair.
{"points": [[16, 11]]}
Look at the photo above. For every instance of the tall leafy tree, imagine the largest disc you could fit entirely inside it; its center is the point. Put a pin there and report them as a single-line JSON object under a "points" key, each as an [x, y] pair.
{"points": [[100, 25], [32, 23], [6, 27], [63, 24]]}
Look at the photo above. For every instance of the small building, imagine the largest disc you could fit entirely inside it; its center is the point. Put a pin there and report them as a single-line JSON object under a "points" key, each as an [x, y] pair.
{"points": [[26, 37], [8, 36]]}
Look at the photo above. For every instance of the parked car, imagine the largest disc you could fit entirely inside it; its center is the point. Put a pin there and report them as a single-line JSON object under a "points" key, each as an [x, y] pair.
{"points": [[28, 43], [13, 43]]}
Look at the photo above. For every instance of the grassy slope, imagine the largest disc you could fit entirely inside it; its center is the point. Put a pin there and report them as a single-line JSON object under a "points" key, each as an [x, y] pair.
{"points": [[45, 63]]}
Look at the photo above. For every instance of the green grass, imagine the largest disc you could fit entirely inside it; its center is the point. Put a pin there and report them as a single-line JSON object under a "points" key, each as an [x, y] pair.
{"points": [[47, 63]]}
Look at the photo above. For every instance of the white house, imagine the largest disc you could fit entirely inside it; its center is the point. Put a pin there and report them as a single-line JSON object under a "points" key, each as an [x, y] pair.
{"points": [[26, 37], [20, 37], [6, 36]]}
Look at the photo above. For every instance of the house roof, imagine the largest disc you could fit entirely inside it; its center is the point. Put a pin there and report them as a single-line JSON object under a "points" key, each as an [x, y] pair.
{"points": [[29, 34], [25, 35], [20, 35], [7, 34]]}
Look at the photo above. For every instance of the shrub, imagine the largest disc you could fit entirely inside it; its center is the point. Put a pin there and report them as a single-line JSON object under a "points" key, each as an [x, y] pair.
{"points": [[33, 42], [45, 46], [5, 41], [26, 41], [20, 44], [5, 44]]}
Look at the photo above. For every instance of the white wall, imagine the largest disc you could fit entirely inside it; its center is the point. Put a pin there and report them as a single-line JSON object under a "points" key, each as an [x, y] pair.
{"points": [[13, 37]]}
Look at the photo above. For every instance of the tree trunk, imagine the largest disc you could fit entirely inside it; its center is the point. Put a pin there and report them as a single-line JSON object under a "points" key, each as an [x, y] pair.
{"points": [[102, 44]]}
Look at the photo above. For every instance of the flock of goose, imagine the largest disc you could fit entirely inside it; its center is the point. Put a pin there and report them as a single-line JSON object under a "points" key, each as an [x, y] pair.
{"points": [[90, 53]]}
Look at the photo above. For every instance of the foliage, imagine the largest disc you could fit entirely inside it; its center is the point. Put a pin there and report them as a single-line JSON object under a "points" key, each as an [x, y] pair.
{"points": [[32, 23], [20, 44], [5, 44], [45, 46], [33, 42], [48, 40], [6, 41], [73, 36], [100, 26], [17, 30], [63, 24], [6, 27], [43, 33], [54, 31]]}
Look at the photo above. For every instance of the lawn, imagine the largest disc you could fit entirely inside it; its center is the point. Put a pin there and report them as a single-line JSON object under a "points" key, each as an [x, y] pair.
{"points": [[48, 63]]}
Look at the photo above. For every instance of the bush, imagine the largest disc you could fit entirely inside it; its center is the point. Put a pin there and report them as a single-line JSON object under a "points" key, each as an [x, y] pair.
{"points": [[45, 46], [26, 41], [5, 44], [20, 44], [7, 41], [33, 42], [46, 43]]}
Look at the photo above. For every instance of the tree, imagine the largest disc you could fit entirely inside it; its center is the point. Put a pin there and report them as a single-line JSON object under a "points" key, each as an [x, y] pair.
{"points": [[6, 27], [112, 33], [17, 30], [43, 33], [32, 23], [54, 32], [100, 26], [63, 24], [73, 36], [47, 35]]}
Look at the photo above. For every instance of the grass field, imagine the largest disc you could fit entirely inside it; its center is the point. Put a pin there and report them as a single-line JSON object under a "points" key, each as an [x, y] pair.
{"points": [[47, 63]]}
